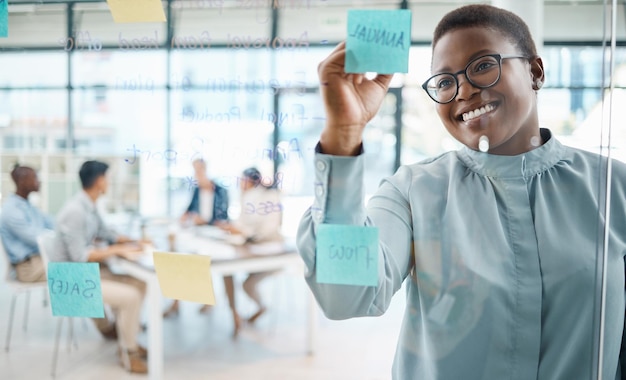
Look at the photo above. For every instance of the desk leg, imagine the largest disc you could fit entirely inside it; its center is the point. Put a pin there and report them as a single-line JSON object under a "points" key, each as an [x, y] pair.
{"points": [[155, 331], [313, 322]]}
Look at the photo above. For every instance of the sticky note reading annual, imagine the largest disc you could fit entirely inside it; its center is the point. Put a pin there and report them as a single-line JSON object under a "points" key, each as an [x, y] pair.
{"points": [[185, 277], [347, 255], [75, 290], [136, 10], [378, 41], [4, 18]]}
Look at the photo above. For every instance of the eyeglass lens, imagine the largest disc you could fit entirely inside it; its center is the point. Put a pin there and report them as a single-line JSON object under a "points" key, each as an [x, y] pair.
{"points": [[482, 72]]}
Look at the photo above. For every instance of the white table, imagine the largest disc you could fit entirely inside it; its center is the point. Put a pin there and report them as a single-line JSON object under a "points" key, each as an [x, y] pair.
{"points": [[226, 260]]}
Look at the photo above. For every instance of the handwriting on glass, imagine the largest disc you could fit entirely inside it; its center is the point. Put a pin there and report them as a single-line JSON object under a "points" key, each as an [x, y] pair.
{"points": [[263, 208]]}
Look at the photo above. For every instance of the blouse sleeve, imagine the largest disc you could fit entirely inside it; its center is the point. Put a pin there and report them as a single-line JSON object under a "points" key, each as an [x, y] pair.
{"points": [[339, 195]]}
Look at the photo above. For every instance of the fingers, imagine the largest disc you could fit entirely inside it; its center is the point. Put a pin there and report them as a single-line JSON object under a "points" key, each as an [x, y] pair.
{"points": [[340, 46], [335, 64], [383, 79]]}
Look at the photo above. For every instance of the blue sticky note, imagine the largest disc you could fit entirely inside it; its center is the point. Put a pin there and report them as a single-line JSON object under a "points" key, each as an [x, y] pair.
{"points": [[347, 255], [378, 41], [75, 290], [4, 18]]}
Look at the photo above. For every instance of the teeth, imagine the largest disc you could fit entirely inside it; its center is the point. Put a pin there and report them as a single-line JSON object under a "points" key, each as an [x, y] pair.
{"points": [[478, 112]]}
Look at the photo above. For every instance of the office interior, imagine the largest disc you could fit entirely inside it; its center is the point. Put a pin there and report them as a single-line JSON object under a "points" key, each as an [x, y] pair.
{"points": [[235, 82]]}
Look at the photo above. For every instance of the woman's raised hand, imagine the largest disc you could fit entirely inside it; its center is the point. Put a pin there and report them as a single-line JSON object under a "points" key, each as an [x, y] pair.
{"points": [[350, 101]]}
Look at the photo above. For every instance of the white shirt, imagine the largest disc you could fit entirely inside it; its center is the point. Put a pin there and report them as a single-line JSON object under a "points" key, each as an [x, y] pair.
{"points": [[207, 198], [261, 214]]}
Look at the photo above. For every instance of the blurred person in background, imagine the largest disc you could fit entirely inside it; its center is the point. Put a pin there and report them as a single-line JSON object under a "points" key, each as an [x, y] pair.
{"points": [[209, 203], [260, 221], [21, 223], [82, 236], [208, 206]]}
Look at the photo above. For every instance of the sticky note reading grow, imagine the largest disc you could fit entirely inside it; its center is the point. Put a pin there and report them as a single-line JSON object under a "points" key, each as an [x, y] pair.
{"points": [[136, 10], [4, 18], [75, 290], [347, 255], [185, 277], [378, 41]]}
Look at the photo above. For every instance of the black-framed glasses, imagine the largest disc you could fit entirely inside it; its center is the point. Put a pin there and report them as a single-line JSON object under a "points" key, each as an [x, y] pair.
{"points": [[481, 72]]}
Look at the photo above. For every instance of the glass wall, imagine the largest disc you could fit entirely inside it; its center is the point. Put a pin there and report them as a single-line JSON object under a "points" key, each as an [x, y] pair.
{"points": [[236, 83]]}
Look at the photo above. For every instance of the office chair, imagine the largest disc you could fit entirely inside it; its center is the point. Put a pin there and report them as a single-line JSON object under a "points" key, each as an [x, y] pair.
{"points": [[45, 241], [18, 287]]}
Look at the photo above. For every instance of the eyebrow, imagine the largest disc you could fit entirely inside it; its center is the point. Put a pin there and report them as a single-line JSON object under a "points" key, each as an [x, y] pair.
{"points": [[447, 69]]}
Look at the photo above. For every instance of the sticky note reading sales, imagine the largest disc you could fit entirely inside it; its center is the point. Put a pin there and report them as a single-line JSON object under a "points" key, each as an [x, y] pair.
{"points": [[185, 277], [75, 290], [4, 18], [378, 41], [136, 10], [347, 255]]}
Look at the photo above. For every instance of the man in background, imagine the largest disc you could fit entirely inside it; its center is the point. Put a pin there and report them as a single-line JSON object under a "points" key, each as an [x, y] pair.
{"points": [[20, 224], [82, 236]]}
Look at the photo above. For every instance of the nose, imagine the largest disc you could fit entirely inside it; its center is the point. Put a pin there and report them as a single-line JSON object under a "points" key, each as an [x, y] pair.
{"points": [[466, 89]]}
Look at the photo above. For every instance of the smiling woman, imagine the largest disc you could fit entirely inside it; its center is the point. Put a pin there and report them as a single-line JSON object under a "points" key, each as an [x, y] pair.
{"points": [[491, 284], [506, 87]]}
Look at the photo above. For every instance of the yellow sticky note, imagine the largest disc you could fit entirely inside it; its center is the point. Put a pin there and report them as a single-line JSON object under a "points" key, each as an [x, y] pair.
{"points": [[136, 10], [185, 277]]}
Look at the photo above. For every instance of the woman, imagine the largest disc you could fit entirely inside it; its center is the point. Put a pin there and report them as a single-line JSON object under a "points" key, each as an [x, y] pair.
{"points": [[499, 239], [208, 205], [260, 221]]}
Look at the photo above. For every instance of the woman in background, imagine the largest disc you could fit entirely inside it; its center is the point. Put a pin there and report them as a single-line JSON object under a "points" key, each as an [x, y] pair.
{"points": [[260, 221], [208, 206]]}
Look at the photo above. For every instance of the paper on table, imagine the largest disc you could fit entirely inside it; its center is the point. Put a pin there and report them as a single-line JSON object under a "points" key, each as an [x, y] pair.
{"points": [[347, 255], [212, 232], [185, 277], [378, 41], [4, 18], [268, 248], [75, 290], [187, 241], [136, 10]]}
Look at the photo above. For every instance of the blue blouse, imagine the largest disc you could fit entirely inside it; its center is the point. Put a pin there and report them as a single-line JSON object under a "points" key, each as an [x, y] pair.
{"points": [[500, 254]]}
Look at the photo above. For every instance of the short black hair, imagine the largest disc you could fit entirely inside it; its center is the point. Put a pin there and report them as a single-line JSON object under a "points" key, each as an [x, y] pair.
{"points": [[488, 16], [19, 172], [254, 175], [90, 171]]}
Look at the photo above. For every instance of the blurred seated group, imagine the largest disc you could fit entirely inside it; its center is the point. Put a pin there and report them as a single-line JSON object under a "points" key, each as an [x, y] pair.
{"points": [[82, 236], [259, 221]]}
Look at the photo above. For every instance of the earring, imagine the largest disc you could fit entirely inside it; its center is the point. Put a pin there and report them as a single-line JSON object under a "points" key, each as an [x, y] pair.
{"points": [[539, 84]]}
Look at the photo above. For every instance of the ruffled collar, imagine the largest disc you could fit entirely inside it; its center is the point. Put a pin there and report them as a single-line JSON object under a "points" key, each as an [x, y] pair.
{"points": [[522, 165]]}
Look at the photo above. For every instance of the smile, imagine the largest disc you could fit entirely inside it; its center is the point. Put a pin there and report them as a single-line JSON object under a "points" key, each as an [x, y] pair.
{"points": [[478, 112]]}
